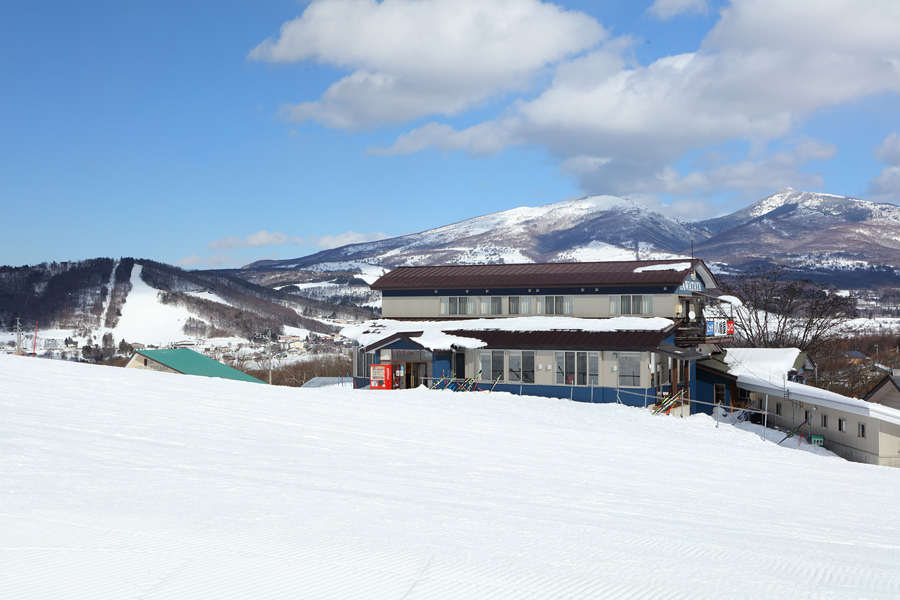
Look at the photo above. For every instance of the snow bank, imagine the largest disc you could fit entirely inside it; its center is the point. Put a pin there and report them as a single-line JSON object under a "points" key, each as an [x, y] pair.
{"points": [[120, 483]]}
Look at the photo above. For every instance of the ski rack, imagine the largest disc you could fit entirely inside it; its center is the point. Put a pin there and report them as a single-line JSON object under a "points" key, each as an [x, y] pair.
{"points": [[669, 403]]}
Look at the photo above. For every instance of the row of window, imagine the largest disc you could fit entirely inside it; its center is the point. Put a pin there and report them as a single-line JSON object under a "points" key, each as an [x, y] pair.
{"points": [[570, 368], [841, 422], [627, 304]]}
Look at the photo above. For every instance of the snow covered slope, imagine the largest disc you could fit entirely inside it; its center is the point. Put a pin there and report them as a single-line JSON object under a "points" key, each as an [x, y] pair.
{"points": [[590, 228], [145, 319], [818, 233], [133, 484], [805, 229]]}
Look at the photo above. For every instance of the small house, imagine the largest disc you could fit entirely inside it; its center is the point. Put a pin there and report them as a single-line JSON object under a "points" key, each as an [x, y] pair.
{"points": [[184, 361]]}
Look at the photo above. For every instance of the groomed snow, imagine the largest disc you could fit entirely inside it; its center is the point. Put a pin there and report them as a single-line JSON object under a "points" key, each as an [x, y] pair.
{"points": [[120, 483], [145, 319]]}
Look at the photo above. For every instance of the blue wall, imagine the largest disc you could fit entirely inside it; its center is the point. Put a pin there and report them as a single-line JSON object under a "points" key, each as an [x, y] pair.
{"points": [[706, 391], [441, 365], [598, 395]]}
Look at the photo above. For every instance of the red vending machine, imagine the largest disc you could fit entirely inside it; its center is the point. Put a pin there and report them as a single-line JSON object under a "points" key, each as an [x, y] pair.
{"points": [[380, 377]]}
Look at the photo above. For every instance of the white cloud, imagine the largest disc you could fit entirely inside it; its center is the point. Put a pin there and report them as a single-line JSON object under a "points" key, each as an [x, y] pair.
{"points": [[326, 242], [616, 126], [487, 138], [256, 240], [763, 69], [886, 187], [190, 261], [264, 238], [411, 58], [889, 150], [666, 9], [222, 261]]}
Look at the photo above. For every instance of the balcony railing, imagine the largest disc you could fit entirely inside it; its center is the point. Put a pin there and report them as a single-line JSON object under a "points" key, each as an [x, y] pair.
{"points": [[701, 332]]}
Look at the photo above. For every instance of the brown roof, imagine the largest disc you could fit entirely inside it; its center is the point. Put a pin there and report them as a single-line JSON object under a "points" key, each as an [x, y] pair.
{"points": [[582, 274]]}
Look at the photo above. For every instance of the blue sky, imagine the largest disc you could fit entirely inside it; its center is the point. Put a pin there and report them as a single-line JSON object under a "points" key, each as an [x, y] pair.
{"points": [[212, 134]]}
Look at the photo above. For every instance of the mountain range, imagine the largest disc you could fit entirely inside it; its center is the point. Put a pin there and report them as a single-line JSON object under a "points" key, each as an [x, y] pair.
{"points": [[845, 241], [837, 238]]}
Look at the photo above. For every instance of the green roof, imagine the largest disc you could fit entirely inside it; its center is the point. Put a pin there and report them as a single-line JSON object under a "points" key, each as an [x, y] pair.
{"points": [[189, 362]]}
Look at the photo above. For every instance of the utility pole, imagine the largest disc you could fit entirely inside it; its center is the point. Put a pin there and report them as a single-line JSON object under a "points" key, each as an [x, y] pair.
{"points": [[269, 351], [18, 337]]}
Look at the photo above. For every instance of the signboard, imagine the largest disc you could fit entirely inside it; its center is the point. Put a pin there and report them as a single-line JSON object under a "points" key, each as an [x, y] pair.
{"points": [[397, 356], [719, 328], [689, 286], [380, 377]]}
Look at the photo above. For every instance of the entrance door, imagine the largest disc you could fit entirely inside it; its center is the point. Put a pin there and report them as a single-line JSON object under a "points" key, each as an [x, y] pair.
{"points": [[414, 374], [459, 372]]}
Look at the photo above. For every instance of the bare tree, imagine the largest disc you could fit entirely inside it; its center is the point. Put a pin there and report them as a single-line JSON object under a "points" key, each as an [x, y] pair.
{"points": [[780, 312]]}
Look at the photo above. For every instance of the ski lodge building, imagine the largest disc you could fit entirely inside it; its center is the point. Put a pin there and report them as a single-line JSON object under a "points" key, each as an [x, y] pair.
{"points": [[633, 332], [626, 331]]}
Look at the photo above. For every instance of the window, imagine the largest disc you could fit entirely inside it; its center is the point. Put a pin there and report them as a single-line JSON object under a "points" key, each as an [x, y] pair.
{"points": [[824, 421], [521, 366], [593, 369], [861, 431], [577, 368], [778, 408], [581, 375], [565, 368], [364, 360], [528, 366], [491, 305], [556, 305], [719, 393], [491, 363], [520, 305], [842, 425], [457, 305], [631, 305], [807, 418], [629, 369]]}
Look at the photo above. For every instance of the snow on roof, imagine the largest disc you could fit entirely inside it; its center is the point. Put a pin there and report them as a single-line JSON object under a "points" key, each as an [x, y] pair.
{"points": [[732, 300], [433, 334], [764, 370], [682, 266], [771, 364]]}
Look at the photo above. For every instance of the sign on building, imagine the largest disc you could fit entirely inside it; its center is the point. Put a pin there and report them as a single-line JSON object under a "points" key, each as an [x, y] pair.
{"points": [[719, 328]]}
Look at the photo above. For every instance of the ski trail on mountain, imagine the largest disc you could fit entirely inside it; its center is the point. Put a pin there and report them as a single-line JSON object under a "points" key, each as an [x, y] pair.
{"points": [[104, 314]]}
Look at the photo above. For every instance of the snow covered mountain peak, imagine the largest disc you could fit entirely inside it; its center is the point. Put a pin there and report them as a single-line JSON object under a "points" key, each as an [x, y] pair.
{"points": [[587, 228], [789, 196]]}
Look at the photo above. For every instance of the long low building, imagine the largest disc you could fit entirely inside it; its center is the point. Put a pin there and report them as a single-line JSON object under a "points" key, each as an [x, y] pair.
{"points": [[854, 429]]}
